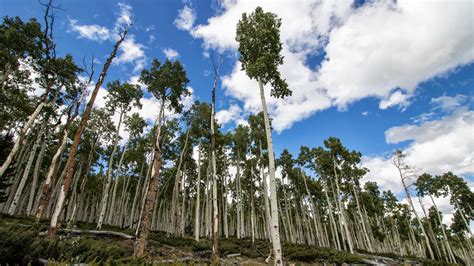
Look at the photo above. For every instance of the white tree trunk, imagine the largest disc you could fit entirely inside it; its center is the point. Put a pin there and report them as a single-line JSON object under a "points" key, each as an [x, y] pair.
{"points": [[448, 246], [24, 178], [265, 197], [197, 221], [103, 204], [275, 228], [417, 217], [39, 161], [20, 139], [114, 193]]}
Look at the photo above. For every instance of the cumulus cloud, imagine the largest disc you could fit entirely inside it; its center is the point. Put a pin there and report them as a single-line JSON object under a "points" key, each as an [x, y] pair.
{"points": [[124, 17], [170, 53], [384, 46], [130, 50], [92, 32], [382, 49], [435, 146], [396, 98], [185, 19], [233, 113], [449, 103]]}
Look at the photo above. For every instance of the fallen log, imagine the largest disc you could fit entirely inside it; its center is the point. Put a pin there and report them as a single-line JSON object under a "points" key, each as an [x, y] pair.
{"points": [[94, 232], [184, 259]]}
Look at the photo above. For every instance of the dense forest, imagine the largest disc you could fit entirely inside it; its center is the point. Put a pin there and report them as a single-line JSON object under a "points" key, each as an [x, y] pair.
{"points": [[66, 170]]}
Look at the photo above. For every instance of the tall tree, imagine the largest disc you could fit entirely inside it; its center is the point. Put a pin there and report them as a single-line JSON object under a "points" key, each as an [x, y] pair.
{"points": [[167, 82], [43, 61], [215, 210], [258, 35], [71, 161], [405, 172], [120, 98]]}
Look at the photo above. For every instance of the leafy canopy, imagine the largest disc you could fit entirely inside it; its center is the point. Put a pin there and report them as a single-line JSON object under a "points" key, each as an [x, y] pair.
{"points": [[258, 35], [122, 96], [167, 82]]}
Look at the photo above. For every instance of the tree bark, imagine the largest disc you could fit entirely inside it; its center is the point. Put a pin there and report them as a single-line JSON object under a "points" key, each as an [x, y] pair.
{"points": [[70, 164], [416, 214], [110, 168], [21, 138], [197, 220], [215, 210], [151, 192], [24, 178], [275, 229], [114, 193], [39, 161], [46, 190], [448, 246], [265, 195]]}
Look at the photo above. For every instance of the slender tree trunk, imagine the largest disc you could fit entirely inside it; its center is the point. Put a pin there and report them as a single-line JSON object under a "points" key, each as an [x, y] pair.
{"points": [[15, 177], [114, 193], [362, 220], [26, 173], [275, 228], [448, 246], [152, 190], [137, 190], [39, 161], [46, 190], [341, 211], [313, 212], [215, 210], [430, 229], [265, 195], [416, 215], [224, 202], [197, 220], [146, 186], [70, 164], [252, 207], [238, 200], [175, 197], [110, 168], [21, 138]]}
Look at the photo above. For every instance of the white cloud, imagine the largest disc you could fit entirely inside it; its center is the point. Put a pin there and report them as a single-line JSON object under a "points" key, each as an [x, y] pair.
{"points": [[170, 53], [448, 103], [131, 52], [307, 98], [436, 146], [300, 38], [384, 46], [92, 32], [443, 204], [442, 145], [135, 81], [233, 113], [185, 19], [124, 17], [383, 172], [383, 50], [396, 98]]}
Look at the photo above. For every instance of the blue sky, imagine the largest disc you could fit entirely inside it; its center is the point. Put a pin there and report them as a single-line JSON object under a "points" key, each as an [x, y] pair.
{"points": [[378, 75]]}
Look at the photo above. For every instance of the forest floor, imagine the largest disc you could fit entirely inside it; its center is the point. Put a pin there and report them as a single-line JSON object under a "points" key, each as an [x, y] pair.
{"points": [[23, 241]]}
